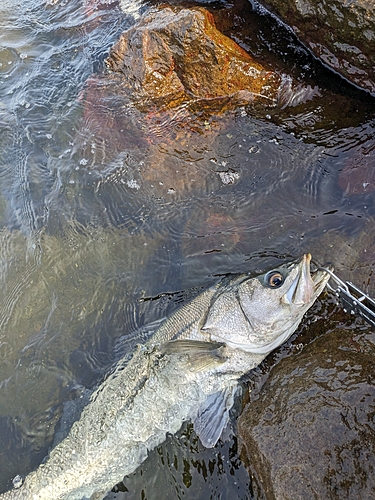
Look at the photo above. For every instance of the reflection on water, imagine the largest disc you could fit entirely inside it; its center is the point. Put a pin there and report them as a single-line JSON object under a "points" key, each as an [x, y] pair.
{"points": [[106, 214]]}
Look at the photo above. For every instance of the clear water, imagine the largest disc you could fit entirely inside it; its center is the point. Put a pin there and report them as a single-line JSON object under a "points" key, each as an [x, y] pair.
{"points": [[105, 227]]}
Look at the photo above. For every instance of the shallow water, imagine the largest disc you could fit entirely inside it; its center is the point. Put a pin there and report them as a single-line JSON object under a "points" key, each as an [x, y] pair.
{"points": [[106, 227]]}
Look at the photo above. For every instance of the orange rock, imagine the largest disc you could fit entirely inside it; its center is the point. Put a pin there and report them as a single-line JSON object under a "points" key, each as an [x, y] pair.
{"points": [[176, 55], [173, 76]]}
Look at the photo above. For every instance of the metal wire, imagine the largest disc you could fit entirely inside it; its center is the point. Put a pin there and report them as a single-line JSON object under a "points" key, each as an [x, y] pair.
{"points": [[335, 278]]}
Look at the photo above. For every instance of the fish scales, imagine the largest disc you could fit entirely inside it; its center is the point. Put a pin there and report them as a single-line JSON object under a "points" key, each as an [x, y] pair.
{"points": [[187, 321], [188, 370], [128, 392]]}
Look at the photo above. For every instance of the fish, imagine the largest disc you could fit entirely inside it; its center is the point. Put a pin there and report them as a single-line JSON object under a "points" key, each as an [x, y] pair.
{"points": [[188, 370]]}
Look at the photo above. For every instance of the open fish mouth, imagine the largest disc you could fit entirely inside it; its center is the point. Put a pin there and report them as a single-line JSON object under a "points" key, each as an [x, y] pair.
{"points": [[308, 283]]}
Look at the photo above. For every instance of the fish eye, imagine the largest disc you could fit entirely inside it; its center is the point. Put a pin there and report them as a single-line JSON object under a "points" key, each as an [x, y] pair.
{"points": [[273, 279]]}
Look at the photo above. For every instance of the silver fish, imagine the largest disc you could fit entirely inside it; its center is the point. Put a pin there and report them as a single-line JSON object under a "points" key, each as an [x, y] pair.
{"points": [[188, 370]]}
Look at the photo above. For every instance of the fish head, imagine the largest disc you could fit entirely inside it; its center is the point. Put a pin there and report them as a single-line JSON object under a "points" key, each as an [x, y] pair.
{"points": [[259, 314]]}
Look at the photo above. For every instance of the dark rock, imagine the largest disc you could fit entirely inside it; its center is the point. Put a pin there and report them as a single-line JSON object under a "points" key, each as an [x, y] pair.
{"points": [[173, 56], [310, 431], [340, 32]]}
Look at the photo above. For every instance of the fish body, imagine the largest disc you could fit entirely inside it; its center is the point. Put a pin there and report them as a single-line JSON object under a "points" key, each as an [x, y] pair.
{"points": [[188, 370]]}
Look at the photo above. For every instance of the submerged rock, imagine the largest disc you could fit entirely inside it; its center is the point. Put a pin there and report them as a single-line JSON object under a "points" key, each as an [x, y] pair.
{"points": [[173, 56], [174, 81], [340, 32], [309, 431]]}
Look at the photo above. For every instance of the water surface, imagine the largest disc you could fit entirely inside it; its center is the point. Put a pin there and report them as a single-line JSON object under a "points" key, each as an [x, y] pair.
{"points": [[105, 229]]}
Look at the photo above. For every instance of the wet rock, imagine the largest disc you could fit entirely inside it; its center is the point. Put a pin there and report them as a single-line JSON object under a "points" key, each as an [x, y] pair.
{"points": [[174, 81], [309, 430], [167, 153], [340, 33], [174, 56]]}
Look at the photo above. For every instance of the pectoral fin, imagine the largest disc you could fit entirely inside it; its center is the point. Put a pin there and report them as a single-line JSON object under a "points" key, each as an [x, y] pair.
{"points": [[213, 416], [199, 355]]}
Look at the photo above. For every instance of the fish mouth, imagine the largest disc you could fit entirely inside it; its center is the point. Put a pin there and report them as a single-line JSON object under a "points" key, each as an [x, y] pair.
{"points": [[309, 283]]}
